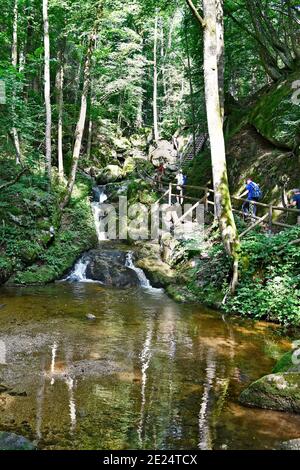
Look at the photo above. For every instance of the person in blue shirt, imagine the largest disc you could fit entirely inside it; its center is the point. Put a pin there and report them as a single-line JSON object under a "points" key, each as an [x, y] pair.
{"points": [[250, 193], [296, 202]]}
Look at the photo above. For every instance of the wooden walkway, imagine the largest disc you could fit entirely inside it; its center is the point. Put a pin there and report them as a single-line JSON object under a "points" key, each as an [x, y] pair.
{"points": [[206, 198]]}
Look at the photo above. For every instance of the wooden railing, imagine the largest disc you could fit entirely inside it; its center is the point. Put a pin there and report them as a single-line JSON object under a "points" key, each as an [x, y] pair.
{"points": [[267, 218]]}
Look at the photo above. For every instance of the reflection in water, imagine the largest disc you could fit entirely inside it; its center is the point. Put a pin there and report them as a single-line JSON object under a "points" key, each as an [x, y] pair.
{"points": [[147, 373], [53, 354], [205, 441], [72, 405], [145, 358], [40, 397]]}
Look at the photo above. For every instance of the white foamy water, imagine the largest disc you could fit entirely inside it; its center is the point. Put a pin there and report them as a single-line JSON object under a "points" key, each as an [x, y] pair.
{"points": [[79, 272], [99, 198], [144, 282]]}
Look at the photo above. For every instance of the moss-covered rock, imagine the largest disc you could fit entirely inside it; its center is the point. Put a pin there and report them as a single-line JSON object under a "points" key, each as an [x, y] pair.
{"points": [[274, 392], [276, 115], [109, 174], [40, 260], [10, 441]]}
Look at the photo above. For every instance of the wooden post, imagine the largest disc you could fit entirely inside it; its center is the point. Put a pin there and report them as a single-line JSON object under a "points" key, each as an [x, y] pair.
{"points": [[170, 194], [206, 200], [270, 217]]}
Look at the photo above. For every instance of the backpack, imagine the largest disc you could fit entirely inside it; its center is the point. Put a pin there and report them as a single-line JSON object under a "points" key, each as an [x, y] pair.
{"points": [[257, 192], [184, 180]]}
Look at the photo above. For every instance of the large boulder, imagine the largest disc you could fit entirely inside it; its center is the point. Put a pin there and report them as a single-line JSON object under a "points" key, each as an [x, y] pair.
{"points": [[276, 116], [10, 441], [279, 390], [109, 268], [274, 392], [164, 152], [109, 174]]}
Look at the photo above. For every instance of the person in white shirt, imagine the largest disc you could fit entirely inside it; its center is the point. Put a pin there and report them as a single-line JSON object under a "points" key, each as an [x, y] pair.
{"points": [[180, 183]]}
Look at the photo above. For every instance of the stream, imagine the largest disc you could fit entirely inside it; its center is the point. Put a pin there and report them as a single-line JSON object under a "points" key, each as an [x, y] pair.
{"points": [[94, 366]]}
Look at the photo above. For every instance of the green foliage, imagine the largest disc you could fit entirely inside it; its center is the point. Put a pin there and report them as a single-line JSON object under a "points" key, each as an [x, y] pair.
{"points": [[269, 286], [270, 278], [27, 212]]}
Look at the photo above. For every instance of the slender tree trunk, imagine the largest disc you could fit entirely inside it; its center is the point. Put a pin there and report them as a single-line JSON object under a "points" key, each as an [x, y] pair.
{"points": [[81, 121], [155, 82], [90, 137], [47, 89], [14, 60], [215, 127], [191, 89], [220, 53], [60, 106]]}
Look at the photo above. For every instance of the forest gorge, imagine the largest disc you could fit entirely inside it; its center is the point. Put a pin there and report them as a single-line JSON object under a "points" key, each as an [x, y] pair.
{"points": [[94, 97]]}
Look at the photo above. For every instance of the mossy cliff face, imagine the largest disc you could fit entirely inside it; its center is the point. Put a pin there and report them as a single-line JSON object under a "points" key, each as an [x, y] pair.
{"points": [[276, 116], [262, 141], [279, 390], [27, 253]]}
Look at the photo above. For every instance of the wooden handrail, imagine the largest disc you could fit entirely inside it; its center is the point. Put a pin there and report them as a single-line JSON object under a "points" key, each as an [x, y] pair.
{"points": [[237, 198]]}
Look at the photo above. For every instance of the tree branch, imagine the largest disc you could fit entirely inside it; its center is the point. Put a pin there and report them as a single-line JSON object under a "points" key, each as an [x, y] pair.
{"points": [[196, 13], [15, 180]]}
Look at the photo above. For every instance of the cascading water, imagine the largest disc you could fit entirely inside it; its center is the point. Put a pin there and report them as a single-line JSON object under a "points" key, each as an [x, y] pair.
{"points": [[144, 282], [99, 197], [79, 272]]}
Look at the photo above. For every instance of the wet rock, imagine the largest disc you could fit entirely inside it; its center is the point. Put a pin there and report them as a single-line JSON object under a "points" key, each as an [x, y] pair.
{"points": [[279, 391], [90, 316], [109, 268], [17, 392], [3, 388], [109, 174], [293, 444], [164, 152], [10, 441]]}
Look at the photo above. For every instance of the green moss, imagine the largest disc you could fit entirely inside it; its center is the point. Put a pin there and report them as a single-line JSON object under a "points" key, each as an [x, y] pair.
{"points": [[277, 116], [284, 363], [276, 392], [27, 255]]}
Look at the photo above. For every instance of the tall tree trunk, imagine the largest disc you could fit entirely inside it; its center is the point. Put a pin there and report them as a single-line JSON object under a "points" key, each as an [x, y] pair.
{"points": [[47, 89], [220, 53], [81, 121], [191, 88], [60, 106], [14, 61], [155, 82], [215, 127], [90, 137]]}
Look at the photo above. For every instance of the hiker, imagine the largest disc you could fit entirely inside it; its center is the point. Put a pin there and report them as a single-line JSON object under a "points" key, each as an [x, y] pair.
{"points": [[254, 194], [296, 202], [181, 181], [160, 174]]}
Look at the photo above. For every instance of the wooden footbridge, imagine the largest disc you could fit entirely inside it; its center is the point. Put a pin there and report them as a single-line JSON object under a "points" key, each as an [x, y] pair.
{"points": [[268, 212]]}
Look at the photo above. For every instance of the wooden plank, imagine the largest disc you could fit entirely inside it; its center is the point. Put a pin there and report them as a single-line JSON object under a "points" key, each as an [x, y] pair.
{"points": [[280, 224], [261, 219], [187, 213]]}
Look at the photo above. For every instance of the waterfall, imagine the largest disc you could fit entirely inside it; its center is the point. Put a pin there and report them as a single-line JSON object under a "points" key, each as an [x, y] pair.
{"points": [[79, 272], [99, 197], [144, 282]]}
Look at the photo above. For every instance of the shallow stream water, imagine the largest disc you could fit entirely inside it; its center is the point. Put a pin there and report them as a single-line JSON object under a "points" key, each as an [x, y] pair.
{"points": [[146, 373]]}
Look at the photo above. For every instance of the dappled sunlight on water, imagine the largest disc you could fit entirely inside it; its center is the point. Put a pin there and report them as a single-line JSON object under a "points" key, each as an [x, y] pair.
{"points": [[146, 373]]}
